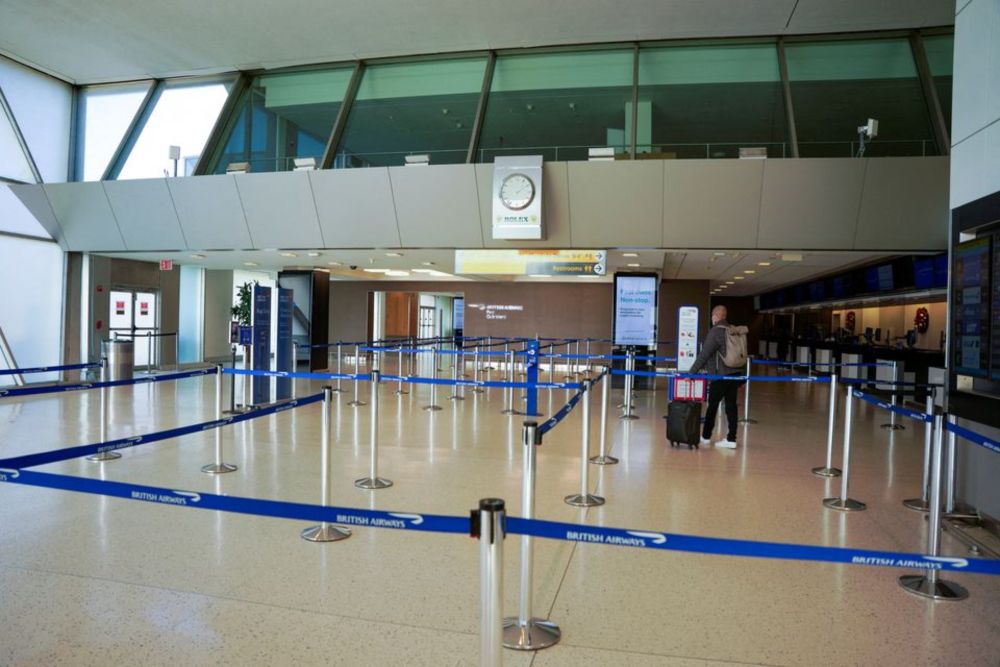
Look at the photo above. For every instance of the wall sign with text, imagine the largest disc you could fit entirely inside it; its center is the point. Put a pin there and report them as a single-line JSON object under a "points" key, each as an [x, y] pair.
{"points": [[687, 337], [636, 300]]}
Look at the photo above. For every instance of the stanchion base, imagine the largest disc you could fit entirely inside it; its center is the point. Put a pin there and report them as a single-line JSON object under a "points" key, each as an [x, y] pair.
{"points": [[456, 397], [918, 584], [373, 483], [603, 460], [823, 471], [511, 411], [238, 411], [356, 403], [337, 390], [848, 505], [401, 392], [326, 532], [893, 427], [478, 390], [537, 633], [588, 500], [917, 505], [104, 456], [629, 416], [432, 408], [747, 420], [218, 468]]}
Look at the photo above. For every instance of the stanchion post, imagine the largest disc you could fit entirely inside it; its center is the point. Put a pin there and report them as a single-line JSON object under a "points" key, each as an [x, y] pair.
{"points": [[326, 532], [476, 369], [590, 362], [844, 503], [585, 498], [746, 398], [149, 352], [489, 525], [456, 388], [893, 425], [433, 407], [103, 398], [509, 391], [373, 481], [218, 467], [523, 632], [400, 389], [949, 482], [603, 459], [356, 401], [929, 585], [629, 379], [340, 359], [828, 470], [921, 504]]}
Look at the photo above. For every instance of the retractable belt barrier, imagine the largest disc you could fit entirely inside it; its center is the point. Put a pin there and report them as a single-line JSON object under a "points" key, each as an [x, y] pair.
{"points": [[292, 374], [31, 460], [899, 410], [734, 378], [823, 364], [973, 437], [54, 389], [462, 525], [48, 369]]}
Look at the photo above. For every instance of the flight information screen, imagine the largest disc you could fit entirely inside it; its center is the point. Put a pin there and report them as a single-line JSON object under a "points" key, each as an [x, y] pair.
{"points": [[971, 297]]}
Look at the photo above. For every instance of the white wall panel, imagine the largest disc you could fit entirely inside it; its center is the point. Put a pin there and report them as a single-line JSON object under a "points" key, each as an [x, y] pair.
{"points": [[810, 203], [145, 214], [210, 212], [711, 203], [85, 216], [18, 217], [555, 208], [280, 210], [616, 203], [904, 205], [355, 207], [970, 91], [437, 207]]}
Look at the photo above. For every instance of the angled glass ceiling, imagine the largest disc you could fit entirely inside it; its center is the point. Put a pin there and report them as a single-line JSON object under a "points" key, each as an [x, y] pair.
{"points": [[105, 114]]}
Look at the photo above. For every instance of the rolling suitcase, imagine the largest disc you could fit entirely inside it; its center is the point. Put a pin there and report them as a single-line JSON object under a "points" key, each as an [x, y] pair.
{"points": [[684, 423]]}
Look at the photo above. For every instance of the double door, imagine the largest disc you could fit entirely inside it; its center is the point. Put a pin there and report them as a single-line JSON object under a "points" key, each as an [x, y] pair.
{"points": [[134, 315]]}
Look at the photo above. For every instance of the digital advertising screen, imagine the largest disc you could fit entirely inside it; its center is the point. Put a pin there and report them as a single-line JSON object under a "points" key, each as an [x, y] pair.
{"points": [[923, 272], [971, 308], [636, 299], [885, 281]]}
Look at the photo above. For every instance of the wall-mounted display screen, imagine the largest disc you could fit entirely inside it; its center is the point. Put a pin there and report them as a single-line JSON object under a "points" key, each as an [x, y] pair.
{"points": [[971, 308], [885, 281], [636, 297], [923, 272], [941, 271], [871, 279]]}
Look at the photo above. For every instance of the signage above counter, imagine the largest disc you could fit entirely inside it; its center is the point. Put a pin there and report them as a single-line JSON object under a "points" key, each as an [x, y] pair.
{"points": [[532, 262]]}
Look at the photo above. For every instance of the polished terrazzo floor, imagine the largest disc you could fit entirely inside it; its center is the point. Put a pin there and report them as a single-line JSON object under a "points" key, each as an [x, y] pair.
{"points": [[96, 581]]}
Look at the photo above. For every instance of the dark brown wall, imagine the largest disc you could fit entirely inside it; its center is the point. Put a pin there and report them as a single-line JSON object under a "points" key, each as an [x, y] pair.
{"points": [[558, 310]]}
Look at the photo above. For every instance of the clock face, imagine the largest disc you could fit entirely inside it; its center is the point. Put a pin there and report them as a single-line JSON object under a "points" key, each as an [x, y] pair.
{"points": [[517, 192]]}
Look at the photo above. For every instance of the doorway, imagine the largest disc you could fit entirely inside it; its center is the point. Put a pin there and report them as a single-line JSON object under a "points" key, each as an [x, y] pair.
{"points": [[426, 324], [134, 315]]}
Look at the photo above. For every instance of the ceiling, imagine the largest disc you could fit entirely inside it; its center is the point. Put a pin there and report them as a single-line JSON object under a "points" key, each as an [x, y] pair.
{"points": [[114, 40], [718, 267]]}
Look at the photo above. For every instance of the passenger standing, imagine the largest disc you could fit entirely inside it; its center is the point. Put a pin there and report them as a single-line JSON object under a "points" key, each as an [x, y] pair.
{"points": [[724, 352]]}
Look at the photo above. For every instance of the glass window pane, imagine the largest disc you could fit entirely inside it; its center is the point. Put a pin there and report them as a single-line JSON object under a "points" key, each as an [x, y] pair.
{"points": [[32, 313], [16, 218], [688, 97], [940, 55], [285, 116], [401, 109], [42, 106], [837, 86], [183, 116], [105, 115], [13, 164], [558, 104]]}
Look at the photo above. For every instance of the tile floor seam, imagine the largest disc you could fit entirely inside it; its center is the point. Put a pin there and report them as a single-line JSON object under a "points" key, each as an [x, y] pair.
{"points": [[224, 598]]}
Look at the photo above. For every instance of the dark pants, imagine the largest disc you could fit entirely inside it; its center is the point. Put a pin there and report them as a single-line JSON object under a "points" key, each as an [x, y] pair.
{"points": [[717, 391]]}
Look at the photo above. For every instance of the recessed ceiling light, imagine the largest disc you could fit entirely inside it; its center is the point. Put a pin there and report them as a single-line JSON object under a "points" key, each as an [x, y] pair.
{"points": [[737, 277], [250, 264], [427, 263], [537, 275], [197, 256], [422, 271], [792, 257], [393, 254], [763, 263], [288, 254], [313, 254], [630, 254], [633, 265], [376, 270], [719, 254], [334, 263], [397, 274], [750, 271], [730, 282]]}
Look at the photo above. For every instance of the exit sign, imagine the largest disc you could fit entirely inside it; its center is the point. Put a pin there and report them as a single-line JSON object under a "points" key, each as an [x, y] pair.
{"points": [[166, 265]]}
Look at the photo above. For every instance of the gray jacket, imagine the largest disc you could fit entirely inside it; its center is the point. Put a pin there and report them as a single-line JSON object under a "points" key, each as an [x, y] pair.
{"points": [[713, 350]]}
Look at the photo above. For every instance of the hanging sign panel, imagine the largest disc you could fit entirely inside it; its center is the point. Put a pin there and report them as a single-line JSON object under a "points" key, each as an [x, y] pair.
{"points": [[545, 262], [636, 296], [687, 337]]}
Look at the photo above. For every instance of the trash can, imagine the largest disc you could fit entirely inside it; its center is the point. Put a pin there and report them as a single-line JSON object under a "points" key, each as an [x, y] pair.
{"points": [[120, 355]]}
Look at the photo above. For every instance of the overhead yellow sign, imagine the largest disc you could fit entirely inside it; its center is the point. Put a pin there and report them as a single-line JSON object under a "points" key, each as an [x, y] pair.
{"points": [[532, 262]]}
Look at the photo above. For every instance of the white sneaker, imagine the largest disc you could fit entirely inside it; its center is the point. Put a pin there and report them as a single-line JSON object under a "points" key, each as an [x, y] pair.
{"points": [[726, 444], [705, 442]]}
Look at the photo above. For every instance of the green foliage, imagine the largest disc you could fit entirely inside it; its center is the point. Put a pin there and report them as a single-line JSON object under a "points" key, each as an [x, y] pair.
{"points": [[241, 311]]}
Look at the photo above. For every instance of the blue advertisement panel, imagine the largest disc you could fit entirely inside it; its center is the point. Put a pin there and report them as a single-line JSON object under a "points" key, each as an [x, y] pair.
{"points": [[285, 357], [260, 356], [635, 309]]}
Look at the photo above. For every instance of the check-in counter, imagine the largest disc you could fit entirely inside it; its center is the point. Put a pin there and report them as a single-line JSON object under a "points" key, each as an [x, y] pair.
{"points": [[803, 355], [772, 349]]}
